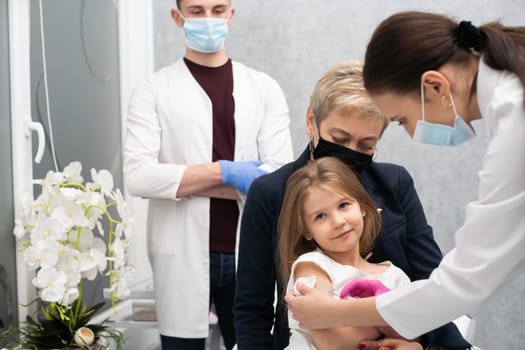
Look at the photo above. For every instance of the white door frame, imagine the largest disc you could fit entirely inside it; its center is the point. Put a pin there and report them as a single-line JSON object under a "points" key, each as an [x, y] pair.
{"points": [[20, 91]]}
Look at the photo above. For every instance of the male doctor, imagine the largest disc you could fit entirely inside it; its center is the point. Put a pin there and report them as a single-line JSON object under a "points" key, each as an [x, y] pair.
{"points": [[199, 132]]}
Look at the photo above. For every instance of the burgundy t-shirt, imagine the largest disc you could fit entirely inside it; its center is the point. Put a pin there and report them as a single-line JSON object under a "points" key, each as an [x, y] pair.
{"points": [[217, 82]]}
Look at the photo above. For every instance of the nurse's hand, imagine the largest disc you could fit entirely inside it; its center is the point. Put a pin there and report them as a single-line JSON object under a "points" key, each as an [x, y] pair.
{"points": [[313, 308], [389, 344]]}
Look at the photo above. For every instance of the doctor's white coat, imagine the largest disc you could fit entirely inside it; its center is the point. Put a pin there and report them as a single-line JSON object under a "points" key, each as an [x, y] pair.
{"points": [[490, 245], [169, 127]]}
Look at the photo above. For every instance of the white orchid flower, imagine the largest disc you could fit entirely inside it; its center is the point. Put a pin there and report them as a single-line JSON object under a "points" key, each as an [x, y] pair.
{"points": [[68, 262], [92, 262], [52, 284], [122, 206], [99, 244], [54, 178], [125, 227], [100, 227], [19, 230], [95, 202], [27, 215], [88, 266], [86, 237], [44, 202], [73, 277], [71, 214], [43, 254], [51, 183], [70, 295], [48, 228], [62, 229], [101, 179], [72, 194], [119, 230], [31, 258], [119, 253], [121, 278], [72, 172], [53, 294]]}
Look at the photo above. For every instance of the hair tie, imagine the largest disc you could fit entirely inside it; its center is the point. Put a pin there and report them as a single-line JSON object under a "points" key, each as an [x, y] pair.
{"points": [[470, 37]]}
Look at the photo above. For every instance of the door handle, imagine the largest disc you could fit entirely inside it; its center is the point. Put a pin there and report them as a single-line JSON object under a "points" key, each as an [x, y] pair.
{"points": [[39, 129]]}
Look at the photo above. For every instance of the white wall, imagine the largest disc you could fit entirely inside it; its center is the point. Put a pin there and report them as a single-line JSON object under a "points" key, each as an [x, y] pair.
{"points": [[296, 41]]}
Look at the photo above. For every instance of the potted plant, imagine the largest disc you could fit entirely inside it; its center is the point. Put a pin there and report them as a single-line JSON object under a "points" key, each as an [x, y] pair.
{"points": [[62, 233]]}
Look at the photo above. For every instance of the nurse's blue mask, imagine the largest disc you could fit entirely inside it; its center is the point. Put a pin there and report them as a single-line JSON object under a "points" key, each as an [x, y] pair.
{"points": [[439, 134], [205, 35]]}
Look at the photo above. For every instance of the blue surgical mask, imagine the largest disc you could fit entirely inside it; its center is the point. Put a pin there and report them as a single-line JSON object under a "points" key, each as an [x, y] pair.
{"points": [[205, 35], [439, 134]]}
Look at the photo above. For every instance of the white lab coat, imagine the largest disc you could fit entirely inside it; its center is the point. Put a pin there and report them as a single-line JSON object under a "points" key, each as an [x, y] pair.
{"points": [[169, 127], [490, 245]]}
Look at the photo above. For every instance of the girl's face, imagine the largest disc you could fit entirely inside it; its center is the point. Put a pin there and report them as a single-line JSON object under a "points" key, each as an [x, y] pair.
{"points": [[335, 221]]}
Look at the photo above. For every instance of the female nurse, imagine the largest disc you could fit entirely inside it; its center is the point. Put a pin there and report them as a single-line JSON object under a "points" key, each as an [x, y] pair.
{"points": [[434, 77]]}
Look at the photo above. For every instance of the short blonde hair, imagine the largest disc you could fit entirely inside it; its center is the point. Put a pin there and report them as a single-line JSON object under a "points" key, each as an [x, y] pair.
{"points": [[341, 89]]}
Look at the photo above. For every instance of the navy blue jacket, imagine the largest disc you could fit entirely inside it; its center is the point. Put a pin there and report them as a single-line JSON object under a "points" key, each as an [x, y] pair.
{"points": [[406, 240]]}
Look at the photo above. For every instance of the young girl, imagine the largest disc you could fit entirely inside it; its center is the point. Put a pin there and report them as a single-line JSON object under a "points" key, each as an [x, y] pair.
{"points": [[326, 229]]}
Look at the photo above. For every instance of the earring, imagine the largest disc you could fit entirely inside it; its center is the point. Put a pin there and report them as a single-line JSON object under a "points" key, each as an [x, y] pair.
{"points": [[444, 101]]}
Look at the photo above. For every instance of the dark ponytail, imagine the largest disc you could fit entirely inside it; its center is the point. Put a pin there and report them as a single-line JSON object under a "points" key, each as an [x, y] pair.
{"points": [[505, 48], [407, 44]]}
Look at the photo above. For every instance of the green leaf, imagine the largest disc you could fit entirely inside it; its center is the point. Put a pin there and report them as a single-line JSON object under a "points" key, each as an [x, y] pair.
{"points": [[85, 317]]}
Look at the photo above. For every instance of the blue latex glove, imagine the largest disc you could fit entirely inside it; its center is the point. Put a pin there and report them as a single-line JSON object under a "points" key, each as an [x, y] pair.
{"points": [[240, 174]]}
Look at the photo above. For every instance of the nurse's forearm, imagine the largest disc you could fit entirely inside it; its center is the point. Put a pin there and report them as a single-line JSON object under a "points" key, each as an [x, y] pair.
{"points": [[315, 309], [359, 313]]}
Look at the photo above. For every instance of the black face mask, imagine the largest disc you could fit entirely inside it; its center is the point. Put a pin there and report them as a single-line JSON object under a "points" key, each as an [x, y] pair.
{"points": [[356, 160]]}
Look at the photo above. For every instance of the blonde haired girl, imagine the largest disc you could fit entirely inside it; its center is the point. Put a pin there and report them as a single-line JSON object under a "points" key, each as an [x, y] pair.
{"points": [[327, 227]]}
